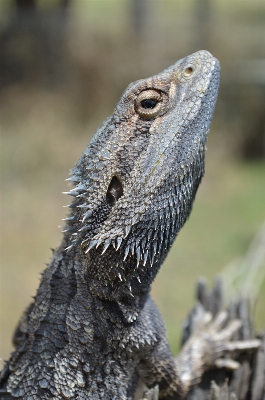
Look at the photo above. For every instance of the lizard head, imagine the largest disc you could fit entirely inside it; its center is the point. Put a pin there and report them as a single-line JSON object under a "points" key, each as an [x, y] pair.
{"points": [[137, 179]]}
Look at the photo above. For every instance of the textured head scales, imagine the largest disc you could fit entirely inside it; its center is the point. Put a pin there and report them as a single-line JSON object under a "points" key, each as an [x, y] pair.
{"points": [[136, 180]]}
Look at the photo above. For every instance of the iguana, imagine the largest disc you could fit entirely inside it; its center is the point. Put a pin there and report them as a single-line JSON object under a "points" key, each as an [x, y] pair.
{"points": [[93, 330]]}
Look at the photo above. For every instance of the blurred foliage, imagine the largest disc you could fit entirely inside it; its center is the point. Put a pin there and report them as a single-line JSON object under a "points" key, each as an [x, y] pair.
{"points": [[63, 66]]}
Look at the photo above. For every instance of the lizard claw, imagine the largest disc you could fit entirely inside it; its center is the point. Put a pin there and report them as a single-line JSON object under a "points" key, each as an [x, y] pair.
{"points": [[242, 345], [216, 337], [227, 363], [227, 333], [220, 319], [236, 346]]}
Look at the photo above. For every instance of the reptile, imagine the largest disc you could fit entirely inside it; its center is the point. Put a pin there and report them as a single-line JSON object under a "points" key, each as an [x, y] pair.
{"points": [[93, 330]]}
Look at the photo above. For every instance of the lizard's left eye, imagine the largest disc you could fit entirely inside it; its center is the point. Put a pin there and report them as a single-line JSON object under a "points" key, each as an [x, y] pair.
{"points": [[148, 104]]}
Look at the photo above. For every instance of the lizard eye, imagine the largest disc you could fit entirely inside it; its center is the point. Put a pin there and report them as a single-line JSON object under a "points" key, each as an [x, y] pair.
{"points": [[148, 104]]}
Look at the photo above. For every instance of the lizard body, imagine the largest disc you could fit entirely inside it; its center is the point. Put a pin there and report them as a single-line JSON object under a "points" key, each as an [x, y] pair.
{"points": [[93, 329]]}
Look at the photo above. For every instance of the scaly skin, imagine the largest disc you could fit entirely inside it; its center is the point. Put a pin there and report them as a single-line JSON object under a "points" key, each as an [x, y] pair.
{"points": [[93, 328]]}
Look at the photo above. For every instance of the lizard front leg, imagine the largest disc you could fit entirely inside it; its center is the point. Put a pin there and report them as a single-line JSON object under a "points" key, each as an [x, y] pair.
{"points": [[158, 367], [209, 346], [205, 349]]}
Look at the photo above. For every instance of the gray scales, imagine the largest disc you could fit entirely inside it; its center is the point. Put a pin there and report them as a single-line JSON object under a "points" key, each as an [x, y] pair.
{"points": [[93, 330]]}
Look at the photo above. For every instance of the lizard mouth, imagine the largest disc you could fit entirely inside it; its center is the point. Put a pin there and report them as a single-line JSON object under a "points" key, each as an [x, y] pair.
{"points": [[114, 192]]}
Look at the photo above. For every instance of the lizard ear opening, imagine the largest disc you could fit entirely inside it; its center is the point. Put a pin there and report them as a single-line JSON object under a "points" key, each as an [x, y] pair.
{"points": [[115, 191]]}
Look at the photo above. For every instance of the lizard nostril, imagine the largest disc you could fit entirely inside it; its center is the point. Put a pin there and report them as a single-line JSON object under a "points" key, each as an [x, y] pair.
{"points": [[188, 71], [115, 191]]}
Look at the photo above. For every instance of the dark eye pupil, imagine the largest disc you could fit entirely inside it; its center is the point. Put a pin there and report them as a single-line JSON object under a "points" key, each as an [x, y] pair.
{"points": [[148, 103]]}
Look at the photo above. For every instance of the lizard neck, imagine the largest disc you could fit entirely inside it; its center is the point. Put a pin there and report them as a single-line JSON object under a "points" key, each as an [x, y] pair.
{"points": [[103, 278]]}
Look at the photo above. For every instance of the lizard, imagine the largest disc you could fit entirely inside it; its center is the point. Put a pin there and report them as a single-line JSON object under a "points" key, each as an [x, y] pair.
{"points": [[93, 329]]}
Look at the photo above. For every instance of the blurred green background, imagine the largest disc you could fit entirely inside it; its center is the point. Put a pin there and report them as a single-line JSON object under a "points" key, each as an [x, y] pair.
{"points": [[63, 67]]}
